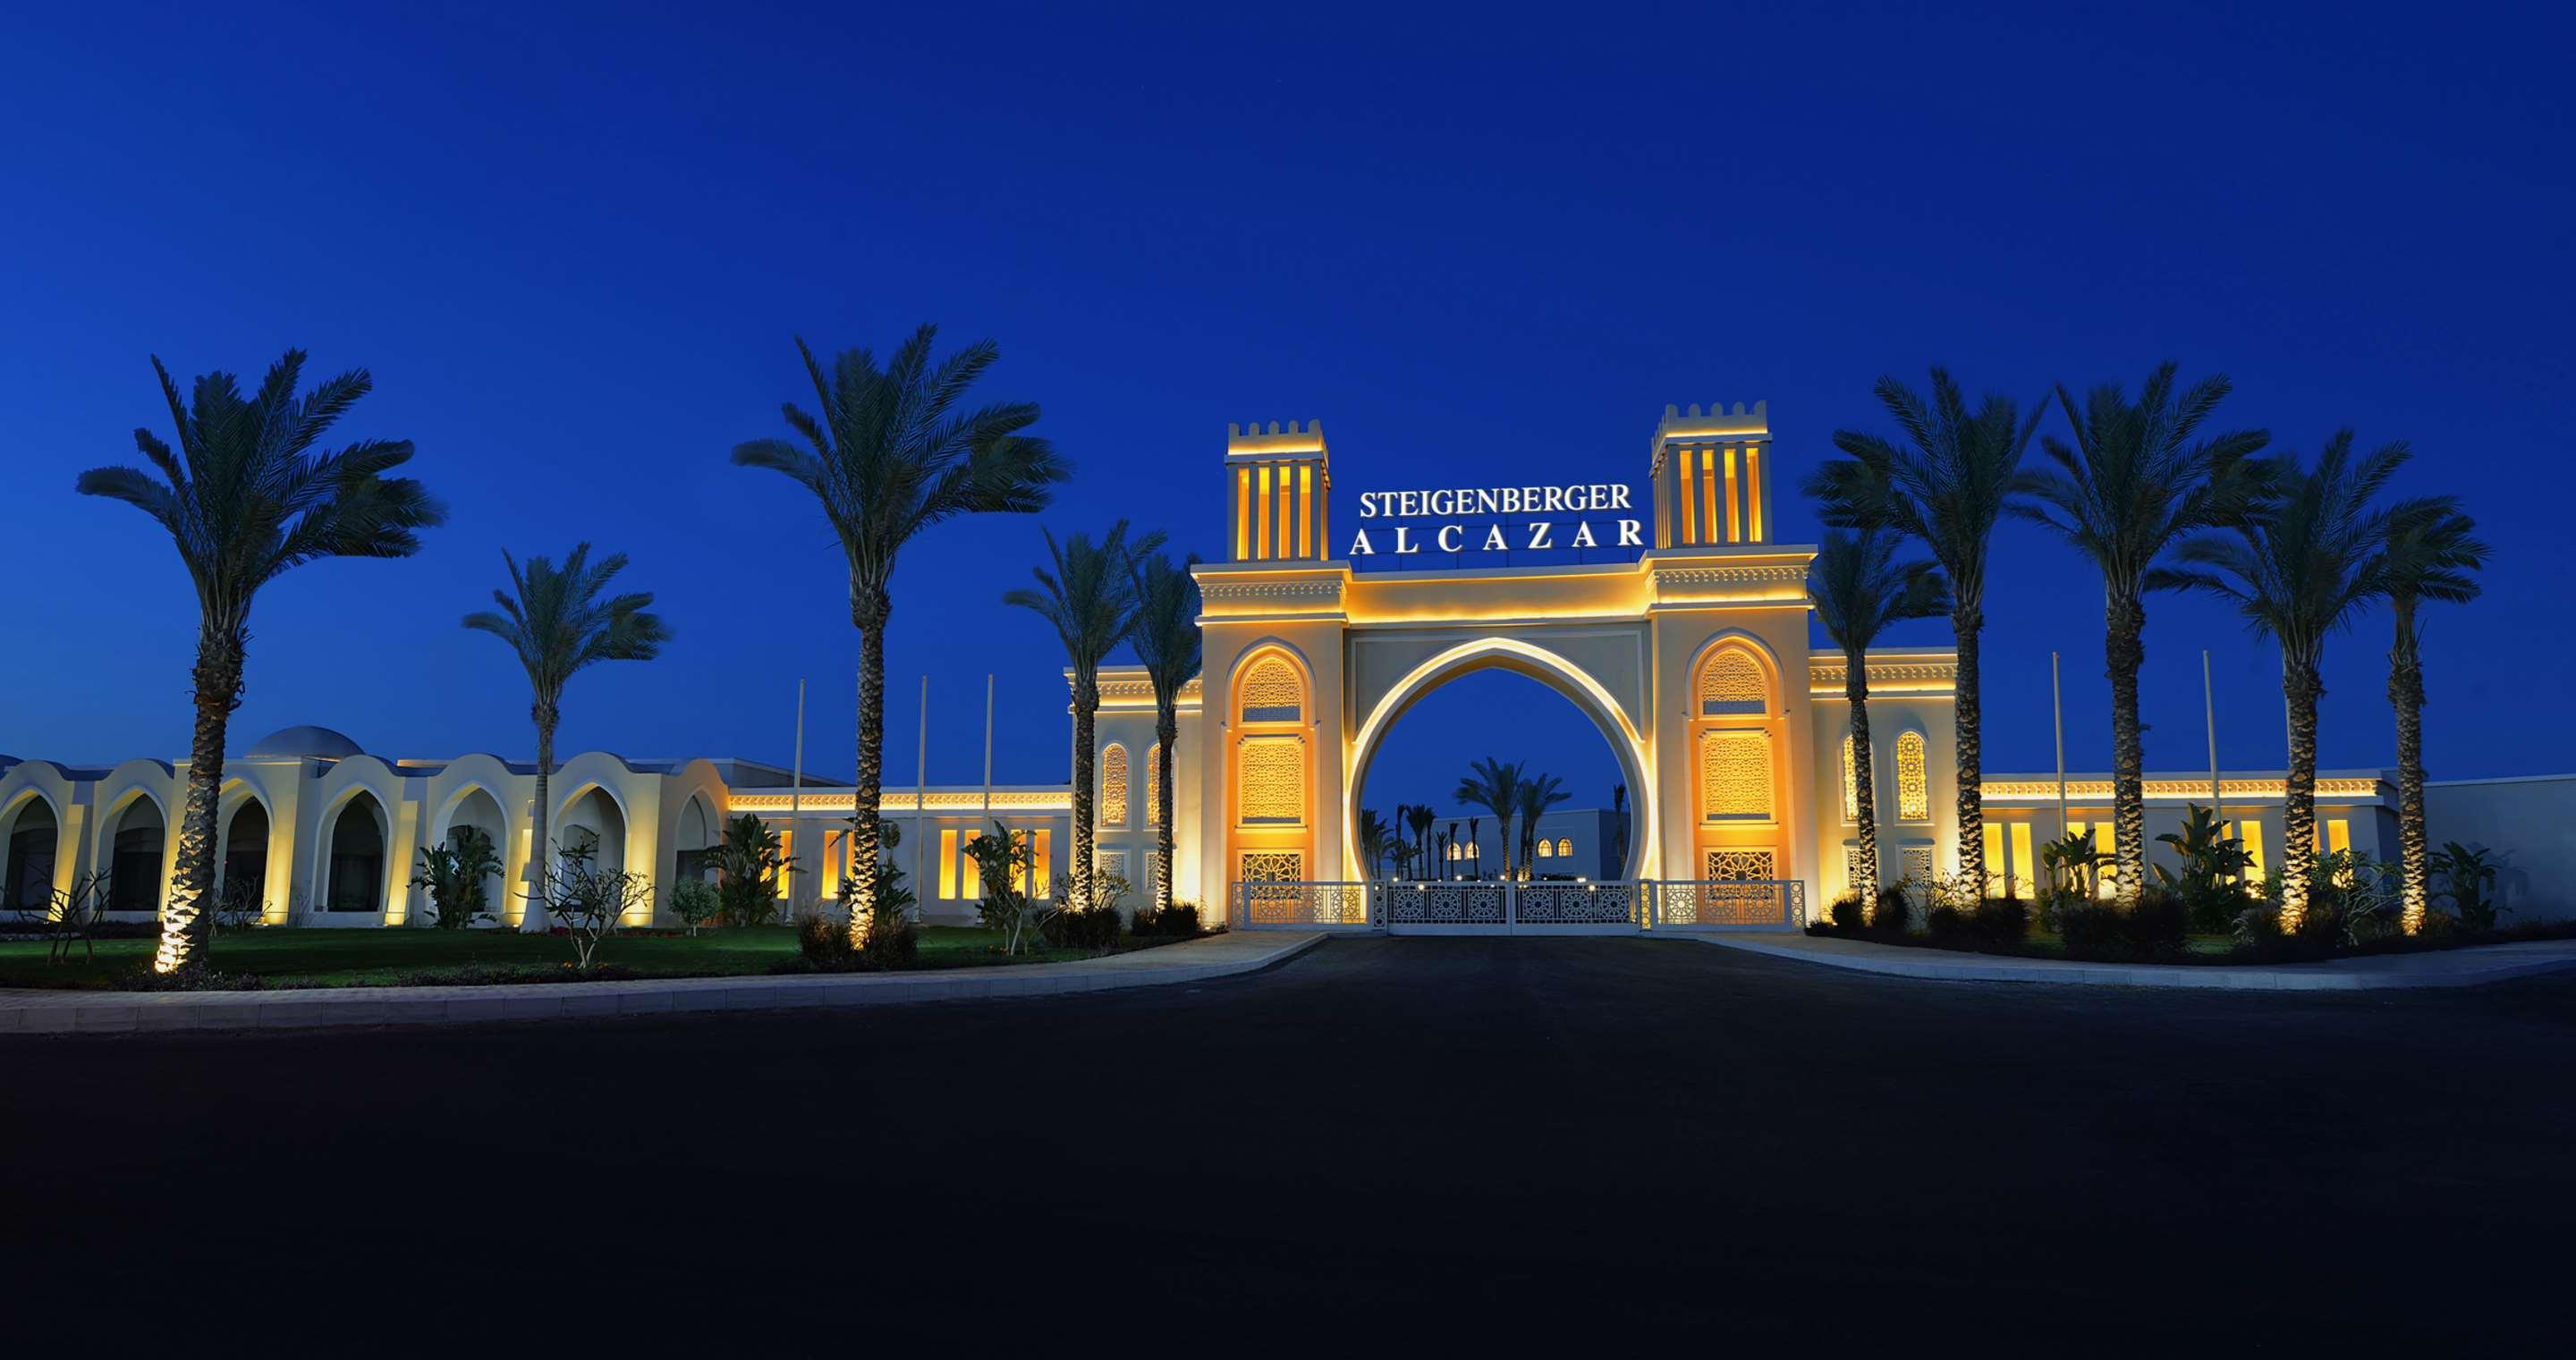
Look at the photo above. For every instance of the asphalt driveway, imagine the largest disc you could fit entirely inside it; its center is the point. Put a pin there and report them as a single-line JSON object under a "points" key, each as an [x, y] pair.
{"points": [[1502, 1134]]}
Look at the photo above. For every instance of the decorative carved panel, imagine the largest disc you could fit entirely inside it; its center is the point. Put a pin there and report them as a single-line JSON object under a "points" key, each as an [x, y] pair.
{"points": [[1113, 785], [1913, 792], [1735, 776], [1273, 692], [1270, 780], [1730, 681]]}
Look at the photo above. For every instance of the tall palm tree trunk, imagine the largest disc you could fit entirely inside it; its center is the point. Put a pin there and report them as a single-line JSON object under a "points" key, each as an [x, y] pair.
{"points": [[541, 854], [1965, 622], [1864, 785], [2301, 684], [868, 609], [186, 925], [1167, 733], [1086, 710], [2124, 648], [2406, 695]]}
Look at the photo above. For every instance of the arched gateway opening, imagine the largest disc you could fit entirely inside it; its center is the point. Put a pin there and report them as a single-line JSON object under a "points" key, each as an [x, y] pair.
{"points": [[1484, 849]]}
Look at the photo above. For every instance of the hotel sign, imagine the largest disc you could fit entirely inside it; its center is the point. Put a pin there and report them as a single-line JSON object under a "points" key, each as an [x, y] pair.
{"points": [[1498, 509]]}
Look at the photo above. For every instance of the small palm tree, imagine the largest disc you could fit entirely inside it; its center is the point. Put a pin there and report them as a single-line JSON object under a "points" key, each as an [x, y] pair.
{"points": [[1859, 588], [2301, 570], [246, 499], [1534, 797], [1945, 487], [1091, 599], [888, 455], [1419, 819], [2429, 555], [1375, 840], [1167, 642], [1496, 787], [2137, 481], [559, 622]]}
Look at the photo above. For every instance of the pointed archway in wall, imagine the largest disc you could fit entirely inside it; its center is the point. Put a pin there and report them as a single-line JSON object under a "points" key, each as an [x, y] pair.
{"points": [[1627, 745]]}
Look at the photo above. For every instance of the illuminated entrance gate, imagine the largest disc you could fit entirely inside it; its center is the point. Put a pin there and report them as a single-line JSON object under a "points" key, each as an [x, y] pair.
{"points": [[1690, 657]]}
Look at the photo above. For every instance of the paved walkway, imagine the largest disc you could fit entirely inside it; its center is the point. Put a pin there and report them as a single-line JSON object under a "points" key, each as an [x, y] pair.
{"points": [[2440, 968], [25, 1010]]}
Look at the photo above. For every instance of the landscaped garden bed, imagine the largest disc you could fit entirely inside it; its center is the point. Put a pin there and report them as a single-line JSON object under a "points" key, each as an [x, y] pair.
{"points": [[272, 957]]}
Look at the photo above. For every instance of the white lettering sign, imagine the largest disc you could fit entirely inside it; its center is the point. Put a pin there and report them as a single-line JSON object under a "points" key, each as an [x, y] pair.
{"points": [[1497, 503]]}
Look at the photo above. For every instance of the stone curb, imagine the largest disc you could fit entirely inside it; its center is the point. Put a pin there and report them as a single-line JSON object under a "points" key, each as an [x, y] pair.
{"points": [[26, 1011], [2473, 967]]}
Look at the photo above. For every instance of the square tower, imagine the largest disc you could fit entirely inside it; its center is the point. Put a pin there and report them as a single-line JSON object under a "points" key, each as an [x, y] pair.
{"points": [[1281, 482], [1713, 476]]}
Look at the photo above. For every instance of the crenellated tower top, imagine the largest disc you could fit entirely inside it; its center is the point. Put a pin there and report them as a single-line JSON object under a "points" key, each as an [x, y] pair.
{"points": [[1281, 483], [1713, 474]]}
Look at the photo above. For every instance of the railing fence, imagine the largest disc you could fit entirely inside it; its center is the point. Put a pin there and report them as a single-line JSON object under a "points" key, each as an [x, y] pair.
{"points": [[1499, 906]]}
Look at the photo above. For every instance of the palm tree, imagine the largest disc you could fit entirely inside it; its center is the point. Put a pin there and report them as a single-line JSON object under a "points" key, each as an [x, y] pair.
{"points": [[1496, 787], [1859, 588], [1091, 600], [1167, 642], [2428, 556], [1419, 819], [1533, 798], [558, 623], [1945, 488], [246, 499], [890, 456], [2136, 482], [2299, 571], [1375, 840], [1619, 816]]}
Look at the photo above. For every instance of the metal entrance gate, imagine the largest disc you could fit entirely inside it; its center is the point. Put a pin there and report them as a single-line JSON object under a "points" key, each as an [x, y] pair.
{"points": [[1497, 907]]}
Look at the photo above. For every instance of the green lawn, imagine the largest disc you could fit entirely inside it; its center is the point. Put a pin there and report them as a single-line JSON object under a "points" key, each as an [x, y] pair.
{"points": [[377, 957]]}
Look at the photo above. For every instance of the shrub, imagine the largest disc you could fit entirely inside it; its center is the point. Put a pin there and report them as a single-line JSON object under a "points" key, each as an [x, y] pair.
{"points": [[2001, 920], [2154, 929], [1845, 912], [696, 902], [751, 863], [1895, 908], [895, 943], [1096, 928], [824, 940], [1947, 923], [1180, 921]]}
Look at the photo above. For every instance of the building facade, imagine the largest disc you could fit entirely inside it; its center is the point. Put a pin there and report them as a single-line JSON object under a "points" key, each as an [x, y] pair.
{"points": [[1674, 623]]}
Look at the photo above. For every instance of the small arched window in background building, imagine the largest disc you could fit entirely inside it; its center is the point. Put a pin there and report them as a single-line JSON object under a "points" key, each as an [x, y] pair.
{"points": [[1546, 848], [1113, 785], [1565, 847]]}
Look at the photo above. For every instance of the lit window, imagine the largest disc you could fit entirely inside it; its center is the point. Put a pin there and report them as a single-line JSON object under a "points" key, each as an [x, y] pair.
{"points": [[1565, 847], [1913, 792], [1735, 775], [948, 865], [1731, 682], [2251, 830], [1546, 849], [1995, 865], [1113, 785], [1272, 691], [2023, 885]]}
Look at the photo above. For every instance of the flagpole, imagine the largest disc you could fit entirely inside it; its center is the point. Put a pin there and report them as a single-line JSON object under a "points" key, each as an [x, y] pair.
{"points": [[920, 799], [985, 826], [2057, 707], [796, 804]]}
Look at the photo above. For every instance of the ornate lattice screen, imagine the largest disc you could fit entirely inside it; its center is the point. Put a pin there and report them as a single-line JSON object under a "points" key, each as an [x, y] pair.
{"points": [[1913, 792], [1918, 863], [1270, 778], [1735, 775], [1113, 785], [1731, 682], [1272, 866], [1739, 866], [1272, 692]]}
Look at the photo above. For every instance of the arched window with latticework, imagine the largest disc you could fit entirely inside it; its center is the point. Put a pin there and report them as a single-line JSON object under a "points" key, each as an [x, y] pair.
{"points": [[1913, 791], [1273, 691], [1154, 784], [1113, 785]]}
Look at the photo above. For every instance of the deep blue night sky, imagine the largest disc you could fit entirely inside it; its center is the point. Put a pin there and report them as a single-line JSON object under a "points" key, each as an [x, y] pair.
{"points": [[574, 249]]}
